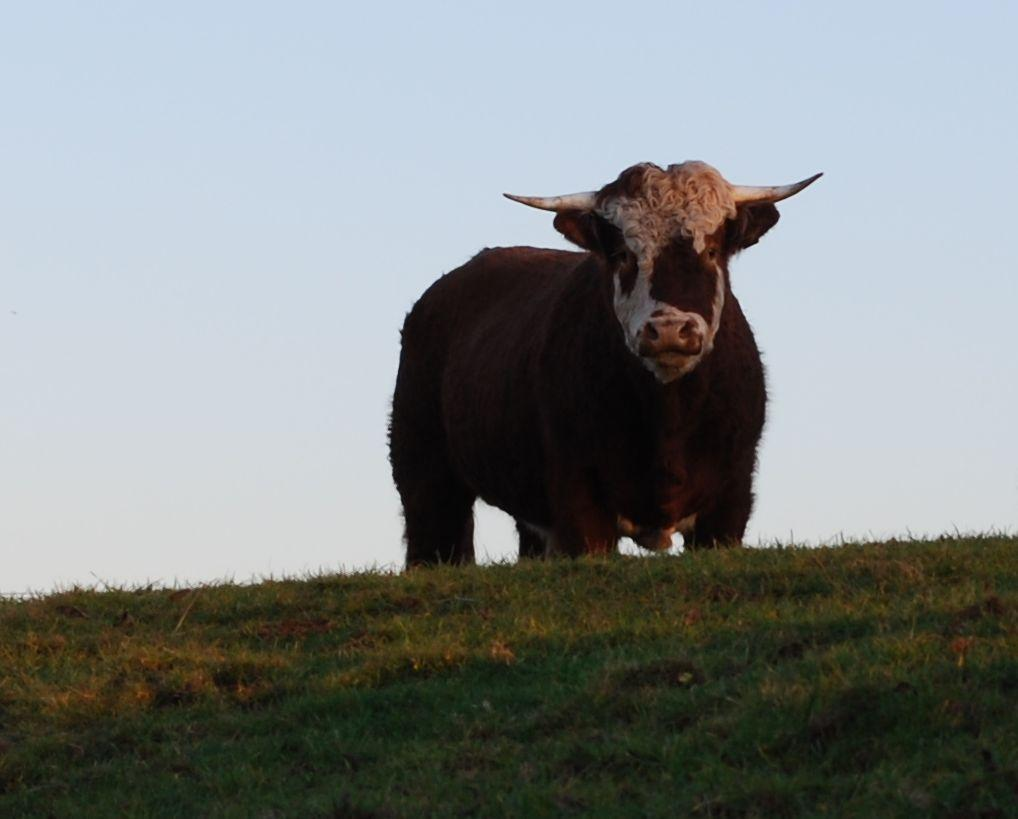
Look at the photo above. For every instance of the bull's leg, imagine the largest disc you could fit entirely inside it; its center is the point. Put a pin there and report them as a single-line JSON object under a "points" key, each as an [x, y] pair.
{"points": [[581, 526], [585, 537], [533, 544], [437, 506], [723, 523], [439, 517]]}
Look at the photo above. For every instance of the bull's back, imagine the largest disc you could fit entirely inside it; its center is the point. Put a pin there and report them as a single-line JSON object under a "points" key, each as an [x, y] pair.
{"points": [[467, 379]]}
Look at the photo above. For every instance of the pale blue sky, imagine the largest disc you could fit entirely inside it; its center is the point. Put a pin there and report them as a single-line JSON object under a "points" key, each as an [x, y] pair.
{"points": [[213, 217]]}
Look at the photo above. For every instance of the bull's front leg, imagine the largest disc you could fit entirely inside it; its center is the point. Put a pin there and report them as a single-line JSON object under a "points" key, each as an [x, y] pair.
{"points": [[581, 525], [723, 523]]}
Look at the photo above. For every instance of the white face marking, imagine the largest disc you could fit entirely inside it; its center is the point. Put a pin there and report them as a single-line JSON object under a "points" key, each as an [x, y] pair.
{"points": [[635, 308], [691, 200], [717, 305]]}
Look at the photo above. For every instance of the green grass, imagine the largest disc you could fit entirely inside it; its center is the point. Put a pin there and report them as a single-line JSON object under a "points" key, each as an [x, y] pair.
{"points": [[866, 680]]}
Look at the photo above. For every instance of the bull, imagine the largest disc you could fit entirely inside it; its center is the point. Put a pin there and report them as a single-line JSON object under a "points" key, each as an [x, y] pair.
{"points": [[613, 392]]}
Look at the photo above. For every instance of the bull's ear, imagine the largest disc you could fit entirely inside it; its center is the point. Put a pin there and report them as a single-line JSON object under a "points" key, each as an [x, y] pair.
{"points": [[579, 227], [589, 231], [750, 224]]}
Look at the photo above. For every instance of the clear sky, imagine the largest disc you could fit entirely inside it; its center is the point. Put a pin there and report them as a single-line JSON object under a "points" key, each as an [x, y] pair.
{"points": [[214, 216]]}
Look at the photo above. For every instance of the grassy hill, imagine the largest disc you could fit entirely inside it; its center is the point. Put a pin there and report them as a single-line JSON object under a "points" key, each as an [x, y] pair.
{"points": [[869, 680]]}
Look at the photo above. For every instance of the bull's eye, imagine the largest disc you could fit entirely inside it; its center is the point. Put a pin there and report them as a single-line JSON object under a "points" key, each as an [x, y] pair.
{"points": [[712, 252]]}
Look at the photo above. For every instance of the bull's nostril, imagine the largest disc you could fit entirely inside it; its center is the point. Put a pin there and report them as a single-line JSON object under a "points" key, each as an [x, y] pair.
{"points": [[650, 332], [687, 330]]}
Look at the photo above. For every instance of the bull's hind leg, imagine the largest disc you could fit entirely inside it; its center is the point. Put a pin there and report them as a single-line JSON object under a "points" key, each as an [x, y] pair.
{"points": [[438, 509], [439, 517], [532, 543], [438, 512]]}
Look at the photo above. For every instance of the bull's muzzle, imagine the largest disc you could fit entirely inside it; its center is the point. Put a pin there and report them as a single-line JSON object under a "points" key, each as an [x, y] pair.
{"points": [[665, 336]]}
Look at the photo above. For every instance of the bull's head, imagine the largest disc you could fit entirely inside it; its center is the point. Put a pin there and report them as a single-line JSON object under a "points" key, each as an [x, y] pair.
{"points": [[666, 236]]}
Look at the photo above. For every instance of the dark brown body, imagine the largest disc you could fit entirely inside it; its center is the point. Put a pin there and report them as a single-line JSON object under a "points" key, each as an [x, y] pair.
{"points": [[515, 386]]}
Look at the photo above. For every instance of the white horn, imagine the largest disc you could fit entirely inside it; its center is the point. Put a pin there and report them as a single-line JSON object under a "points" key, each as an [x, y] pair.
{"points": [[748, 194], [572, 201]]}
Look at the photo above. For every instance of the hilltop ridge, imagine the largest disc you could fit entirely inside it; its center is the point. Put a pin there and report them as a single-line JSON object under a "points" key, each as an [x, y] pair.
{"points": [[871, 679]]}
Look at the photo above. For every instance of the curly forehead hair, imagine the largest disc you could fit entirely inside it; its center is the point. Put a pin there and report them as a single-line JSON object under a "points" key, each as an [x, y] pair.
{"points": [[650, 205]]}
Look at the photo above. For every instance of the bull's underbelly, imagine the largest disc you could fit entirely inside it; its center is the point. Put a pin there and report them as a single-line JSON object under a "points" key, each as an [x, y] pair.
{"points": [[495, 451], [508, 470], [516, 488]]}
